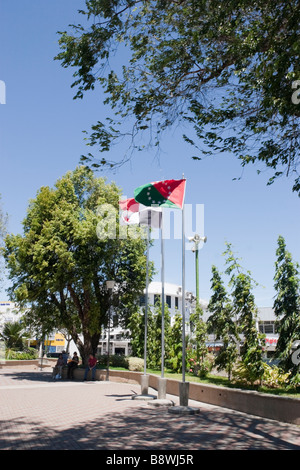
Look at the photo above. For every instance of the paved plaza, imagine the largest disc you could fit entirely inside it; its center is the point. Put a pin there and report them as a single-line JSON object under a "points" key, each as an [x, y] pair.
{"points": [[37, 413]]}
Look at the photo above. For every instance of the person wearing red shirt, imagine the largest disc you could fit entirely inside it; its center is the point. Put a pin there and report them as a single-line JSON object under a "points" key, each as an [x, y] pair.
{"points": [[92, 362]]}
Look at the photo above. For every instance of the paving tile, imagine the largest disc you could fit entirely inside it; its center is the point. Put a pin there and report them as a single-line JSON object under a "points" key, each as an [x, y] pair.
{"points": [[37, 413]]}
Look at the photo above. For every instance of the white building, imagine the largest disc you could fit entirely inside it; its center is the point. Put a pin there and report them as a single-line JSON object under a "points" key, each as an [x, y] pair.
{"points": [[120, 344]]}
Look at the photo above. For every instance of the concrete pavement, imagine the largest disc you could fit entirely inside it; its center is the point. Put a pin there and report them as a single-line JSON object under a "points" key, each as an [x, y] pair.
{"points": [[37, 413]]}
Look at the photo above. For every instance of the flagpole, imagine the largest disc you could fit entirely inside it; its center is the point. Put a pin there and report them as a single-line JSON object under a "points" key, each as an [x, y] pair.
{"points": [[183, 296], [184, 386], [162, 382], [146, 301], [162, 296]]}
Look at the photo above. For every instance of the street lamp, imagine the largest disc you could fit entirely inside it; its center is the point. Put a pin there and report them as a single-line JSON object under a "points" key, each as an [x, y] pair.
{"points": [[109, 287], [197, 239]]}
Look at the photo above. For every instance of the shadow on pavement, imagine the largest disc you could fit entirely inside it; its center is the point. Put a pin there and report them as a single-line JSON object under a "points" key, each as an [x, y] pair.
{"points": [[36, 376], [151, 429]]}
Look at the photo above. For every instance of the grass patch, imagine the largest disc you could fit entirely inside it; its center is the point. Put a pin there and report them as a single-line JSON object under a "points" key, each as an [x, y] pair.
{"points": [[224, 382], [220, 381]]}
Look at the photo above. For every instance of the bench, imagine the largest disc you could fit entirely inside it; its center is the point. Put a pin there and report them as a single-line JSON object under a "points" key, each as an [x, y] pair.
{"points": [[78, 373]]}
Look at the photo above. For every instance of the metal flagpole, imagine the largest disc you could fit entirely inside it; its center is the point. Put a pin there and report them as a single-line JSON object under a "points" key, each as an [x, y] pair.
{"points": [[162, 382], [146, 301], [162, 296], [183, 297], [184, 386]]}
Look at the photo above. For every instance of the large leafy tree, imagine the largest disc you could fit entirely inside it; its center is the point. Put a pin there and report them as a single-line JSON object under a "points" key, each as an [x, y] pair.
{"points": [[59, 265], [228, 68], [286, 304]]}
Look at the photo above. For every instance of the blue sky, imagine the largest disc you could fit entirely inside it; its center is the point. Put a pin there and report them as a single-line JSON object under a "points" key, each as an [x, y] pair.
{"points": [[41, 139]]}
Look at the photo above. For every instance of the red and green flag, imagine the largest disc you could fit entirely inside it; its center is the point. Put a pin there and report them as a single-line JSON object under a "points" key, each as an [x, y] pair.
{"points": [[167, 193], [132, 213]]}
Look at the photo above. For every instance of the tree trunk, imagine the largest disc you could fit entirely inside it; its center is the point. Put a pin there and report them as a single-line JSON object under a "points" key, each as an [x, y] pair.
{"points": [[88, 346]]}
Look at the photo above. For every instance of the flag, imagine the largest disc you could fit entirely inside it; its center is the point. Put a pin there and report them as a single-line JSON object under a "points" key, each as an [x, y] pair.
{"points": [[136, 213], [168, 193], [130, 211]]}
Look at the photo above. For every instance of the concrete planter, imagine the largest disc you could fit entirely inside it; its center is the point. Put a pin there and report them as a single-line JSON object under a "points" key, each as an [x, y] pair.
{"points": [[78, 374], [282, 409]]}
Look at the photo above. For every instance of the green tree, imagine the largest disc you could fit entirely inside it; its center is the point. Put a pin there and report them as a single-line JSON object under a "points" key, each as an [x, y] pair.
{"points": [[198, 339], [153, 342], [155, 334], [226, 68], [221, 323], [59, 266], [245, 311], [174, 359], [136, 326], [286, 305], [3, 224]]}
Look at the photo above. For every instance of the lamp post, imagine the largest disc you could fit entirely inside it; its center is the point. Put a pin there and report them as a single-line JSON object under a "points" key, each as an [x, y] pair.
{"points": [[109, 287], [197, 239]]}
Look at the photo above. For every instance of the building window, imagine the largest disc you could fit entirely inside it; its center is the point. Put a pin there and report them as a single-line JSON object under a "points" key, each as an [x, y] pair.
{"points": [[267, 327], [176, 302], [168, 300], [156, 299]]}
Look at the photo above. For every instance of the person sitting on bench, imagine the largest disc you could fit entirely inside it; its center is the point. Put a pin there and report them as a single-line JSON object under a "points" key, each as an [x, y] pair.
{"points": [[92, 362], [72, 364], [57, 370]]}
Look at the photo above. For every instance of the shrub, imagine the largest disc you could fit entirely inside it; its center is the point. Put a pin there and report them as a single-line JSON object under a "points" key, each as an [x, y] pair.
{"points": [[242, 375], [135, 364], [114, 361], [200, 368], [273, 376], [30, 353]]}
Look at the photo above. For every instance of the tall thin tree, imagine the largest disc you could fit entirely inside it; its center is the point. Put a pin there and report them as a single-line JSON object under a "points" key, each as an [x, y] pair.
{"points": [[222, 324], [286, 305]]}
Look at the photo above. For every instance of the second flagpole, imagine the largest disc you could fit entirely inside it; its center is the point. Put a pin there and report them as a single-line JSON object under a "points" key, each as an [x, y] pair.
{"points": [[162, 380], [184, 386]]}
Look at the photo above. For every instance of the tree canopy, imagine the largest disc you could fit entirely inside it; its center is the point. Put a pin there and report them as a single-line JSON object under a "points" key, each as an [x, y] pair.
{"points": [[59, 266], [230, 69]]}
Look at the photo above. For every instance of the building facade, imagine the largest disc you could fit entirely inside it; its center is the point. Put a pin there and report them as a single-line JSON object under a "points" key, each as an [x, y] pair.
{"points": [[119, 338]]}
